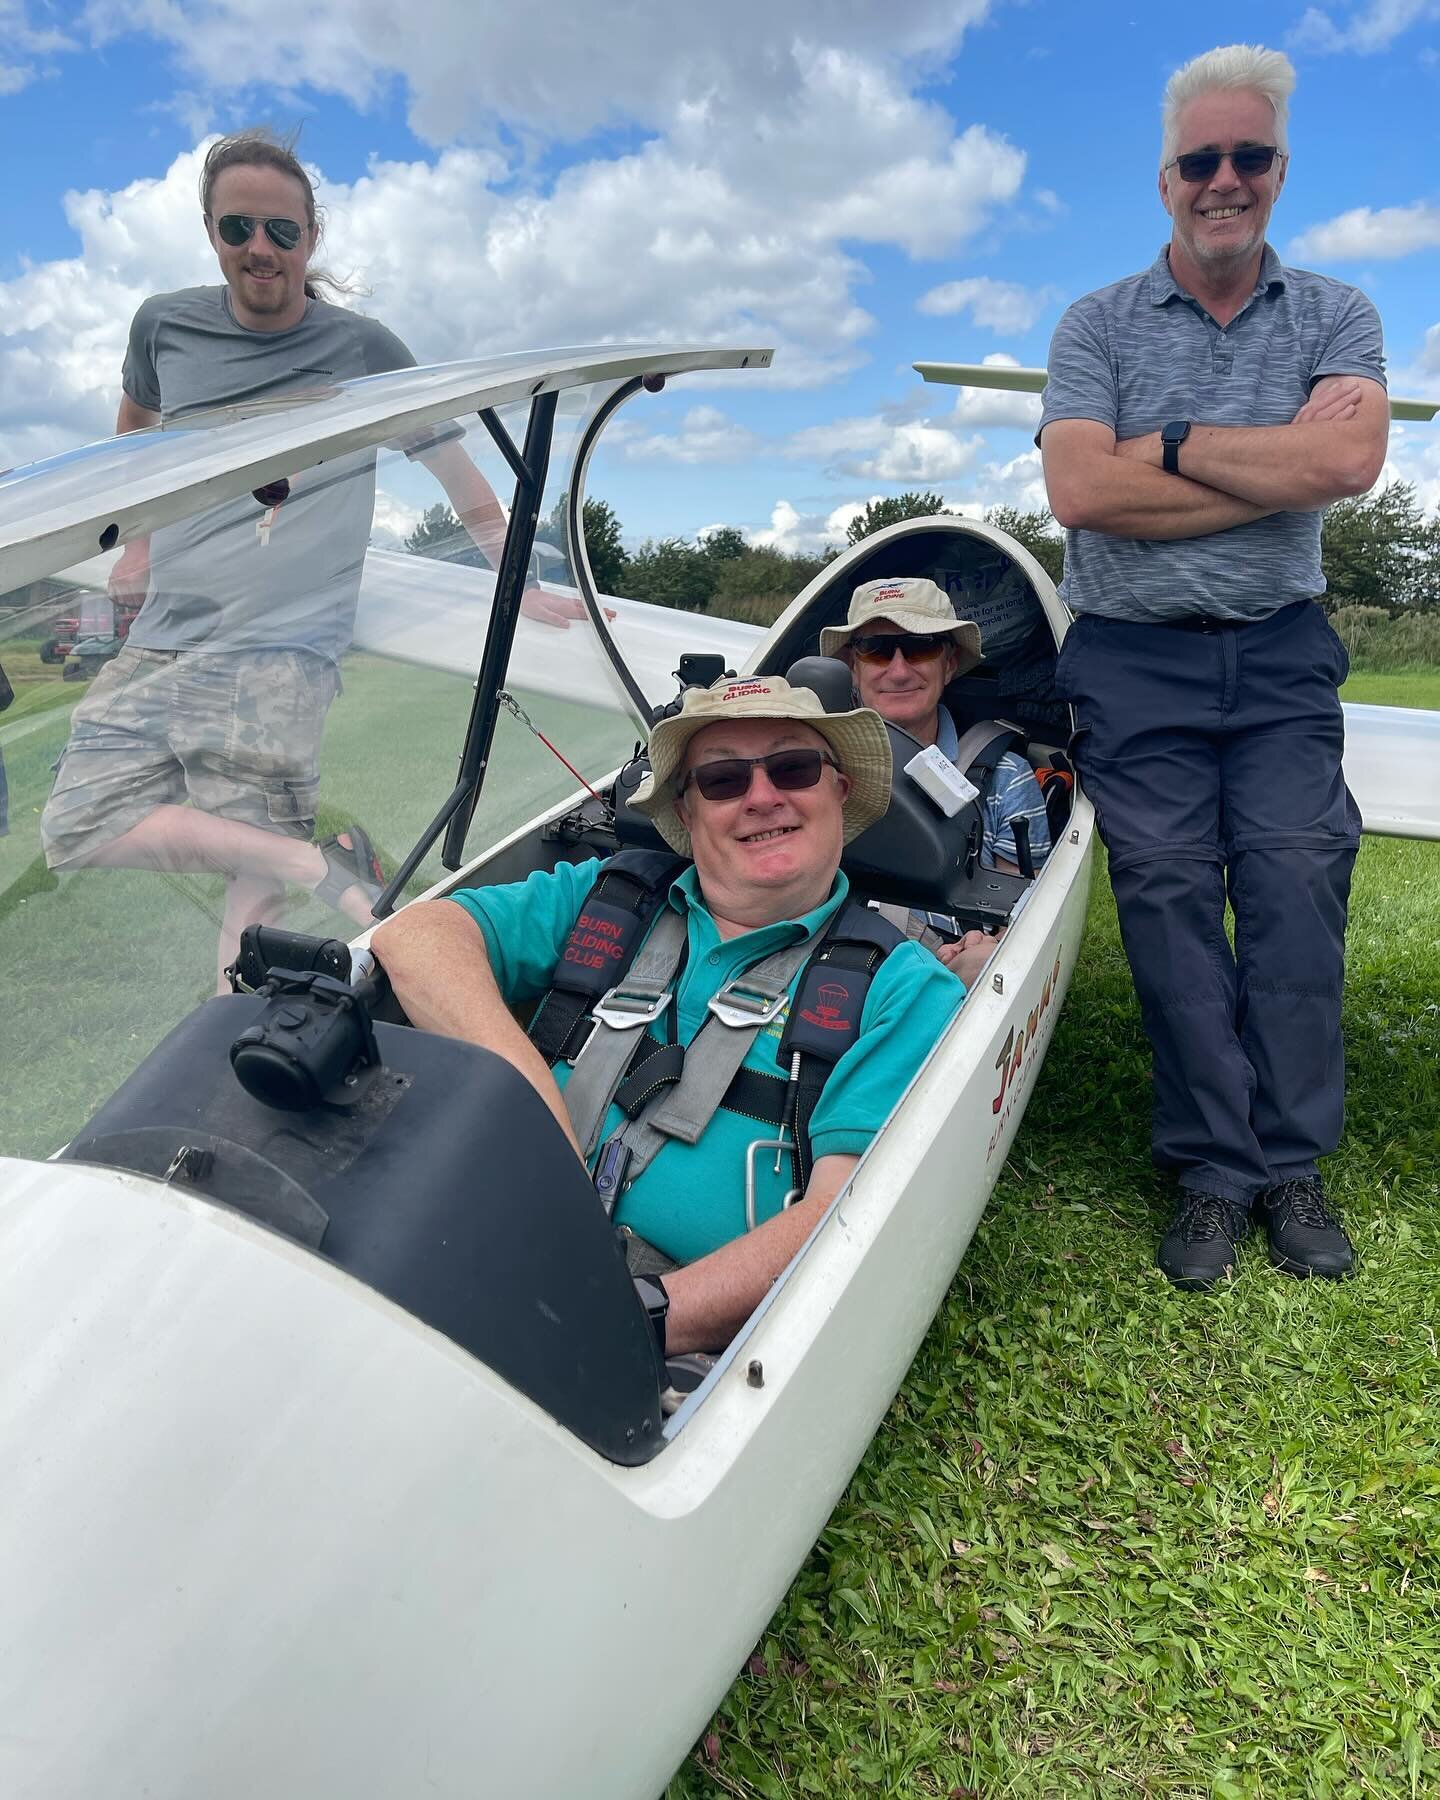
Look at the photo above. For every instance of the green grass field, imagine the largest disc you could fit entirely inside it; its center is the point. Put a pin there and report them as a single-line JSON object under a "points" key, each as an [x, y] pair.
{"points": [[1115, 1540], [1111, 1540]]}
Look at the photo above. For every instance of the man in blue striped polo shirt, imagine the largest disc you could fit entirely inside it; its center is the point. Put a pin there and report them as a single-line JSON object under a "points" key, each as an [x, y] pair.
{"points": [[1197, 419]]}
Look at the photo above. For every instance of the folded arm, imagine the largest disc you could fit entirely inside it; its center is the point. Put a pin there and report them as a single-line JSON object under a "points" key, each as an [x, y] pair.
{"points": [[1094, 487], [435, 956], [1333, 448]]}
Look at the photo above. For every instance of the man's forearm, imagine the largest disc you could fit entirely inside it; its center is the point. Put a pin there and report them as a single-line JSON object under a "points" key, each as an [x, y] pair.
{"points": [[712, 1298], [1277, 468], [472, 497], [1125, 497], [435, 956]]}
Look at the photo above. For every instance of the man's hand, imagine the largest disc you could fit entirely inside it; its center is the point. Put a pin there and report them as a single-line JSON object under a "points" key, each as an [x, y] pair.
{"points": [[130, 576], [554, 609], [1332, 402], [968, 955]]}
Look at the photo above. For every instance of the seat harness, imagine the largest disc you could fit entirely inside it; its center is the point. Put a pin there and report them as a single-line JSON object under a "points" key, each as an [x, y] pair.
{"points": [[609, 988]]}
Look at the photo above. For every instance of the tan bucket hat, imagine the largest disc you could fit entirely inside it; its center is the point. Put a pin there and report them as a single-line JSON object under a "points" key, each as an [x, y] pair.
{"points": [[914, 603], [858, 739]]}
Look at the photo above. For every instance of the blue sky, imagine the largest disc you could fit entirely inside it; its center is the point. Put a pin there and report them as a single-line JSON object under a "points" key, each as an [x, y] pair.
{"points": [[803, 175]]}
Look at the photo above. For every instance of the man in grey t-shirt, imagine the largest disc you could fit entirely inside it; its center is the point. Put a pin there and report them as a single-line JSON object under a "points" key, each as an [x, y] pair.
{"points": [[1197, 419], [197, 747]]}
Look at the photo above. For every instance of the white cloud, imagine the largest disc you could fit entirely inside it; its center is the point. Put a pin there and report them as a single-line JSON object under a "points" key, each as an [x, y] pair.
{"points": [[886, 449], [806, 534], [706, 435], [1373, 28], [469, 65], [1003, 306], [394, 520], [1388, 232], [739, 222], [23, 39], [1019, 483]]}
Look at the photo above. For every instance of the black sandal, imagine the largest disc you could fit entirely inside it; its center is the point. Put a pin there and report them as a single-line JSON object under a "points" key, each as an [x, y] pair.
{"points": [[349, 865]]}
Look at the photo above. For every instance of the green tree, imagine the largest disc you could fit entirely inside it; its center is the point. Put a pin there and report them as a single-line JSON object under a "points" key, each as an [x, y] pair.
{"points": [[603, 548], [1036, 532], [758, 585], [890, 511], [672, 572], [441, 535], [1380, 550], [725, 543]]}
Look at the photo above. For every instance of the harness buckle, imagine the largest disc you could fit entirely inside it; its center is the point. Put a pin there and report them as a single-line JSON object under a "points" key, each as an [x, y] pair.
{"points": [[623, 1007], [740, 1006]]}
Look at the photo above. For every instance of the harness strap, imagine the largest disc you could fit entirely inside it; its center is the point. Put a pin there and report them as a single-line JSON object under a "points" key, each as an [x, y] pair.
{"points": [[642, 995], [982, 746], [712, 1060], [631, 885]]}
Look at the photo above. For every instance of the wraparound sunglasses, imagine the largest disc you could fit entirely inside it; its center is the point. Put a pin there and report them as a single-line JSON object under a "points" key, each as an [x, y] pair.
{"points": [[236, 229], [879, 646], [730, 777]]}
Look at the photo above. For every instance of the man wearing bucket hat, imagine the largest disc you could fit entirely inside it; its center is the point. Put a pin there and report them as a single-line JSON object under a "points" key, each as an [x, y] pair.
{"points": [[903, 645], [762, 788]]}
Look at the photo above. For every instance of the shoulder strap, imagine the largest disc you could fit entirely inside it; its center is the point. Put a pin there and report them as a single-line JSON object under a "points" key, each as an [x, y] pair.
{"points": [[981, 748], [713, 1058], [601, 946]]}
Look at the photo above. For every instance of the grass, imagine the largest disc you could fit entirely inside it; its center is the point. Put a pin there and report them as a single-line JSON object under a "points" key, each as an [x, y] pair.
{"points": [[1115, 1540], [1398, 687]]}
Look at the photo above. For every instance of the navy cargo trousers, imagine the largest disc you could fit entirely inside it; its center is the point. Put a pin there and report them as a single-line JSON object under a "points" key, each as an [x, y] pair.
{"points": [[1211, 753]]}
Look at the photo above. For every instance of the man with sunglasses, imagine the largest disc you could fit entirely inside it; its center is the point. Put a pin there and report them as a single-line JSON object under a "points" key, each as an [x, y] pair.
{"points": [[1197, 419], [762, 788], [197, 747], [903, 646]]}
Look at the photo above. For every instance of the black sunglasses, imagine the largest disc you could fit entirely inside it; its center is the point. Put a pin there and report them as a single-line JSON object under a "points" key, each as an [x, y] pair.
{"points": [[914, 646], [1249, 159], [730, 777], [238, 228]]}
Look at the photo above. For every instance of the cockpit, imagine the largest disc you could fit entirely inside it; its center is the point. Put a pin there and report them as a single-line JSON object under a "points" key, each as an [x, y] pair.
{"points": [[301, 1100]]}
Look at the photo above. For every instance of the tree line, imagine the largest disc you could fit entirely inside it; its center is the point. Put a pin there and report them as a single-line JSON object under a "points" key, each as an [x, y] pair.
{"points": [[1380, 552]]}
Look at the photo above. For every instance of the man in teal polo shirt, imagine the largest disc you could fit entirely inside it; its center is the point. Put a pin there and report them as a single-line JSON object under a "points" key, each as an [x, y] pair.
{"points": [[763, 788]]}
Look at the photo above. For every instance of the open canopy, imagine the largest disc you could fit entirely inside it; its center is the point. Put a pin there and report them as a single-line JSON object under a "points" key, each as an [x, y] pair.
{"points": [[310, 646]]}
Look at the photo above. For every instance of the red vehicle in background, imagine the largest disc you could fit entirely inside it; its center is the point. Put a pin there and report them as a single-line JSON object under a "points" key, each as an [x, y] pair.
{"points": [[87, 642]]}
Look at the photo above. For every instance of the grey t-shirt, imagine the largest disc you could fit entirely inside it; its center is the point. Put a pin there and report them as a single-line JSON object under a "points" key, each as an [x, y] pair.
{"points": [[240, 576], [1143, 352]]}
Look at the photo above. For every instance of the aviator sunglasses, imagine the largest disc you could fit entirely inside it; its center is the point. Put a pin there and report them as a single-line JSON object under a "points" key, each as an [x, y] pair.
{"points": [[1249, 159], [236, 229], [877, 647], [730, 777]]}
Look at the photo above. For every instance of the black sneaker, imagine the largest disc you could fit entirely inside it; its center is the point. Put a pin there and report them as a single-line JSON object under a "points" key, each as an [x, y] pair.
{"points": [[1306, 1238], [1203, 1242]]}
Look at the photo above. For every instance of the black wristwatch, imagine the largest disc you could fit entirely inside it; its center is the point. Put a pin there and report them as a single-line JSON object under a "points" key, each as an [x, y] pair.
{"points": [[651, 1290], [1172, 436]]}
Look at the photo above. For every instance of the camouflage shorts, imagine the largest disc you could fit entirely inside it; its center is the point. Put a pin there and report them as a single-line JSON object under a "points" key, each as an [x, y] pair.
{"points": [[237, 735]]}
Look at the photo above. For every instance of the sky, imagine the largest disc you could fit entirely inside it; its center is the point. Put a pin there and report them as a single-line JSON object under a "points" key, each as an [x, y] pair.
{"points": [[859, 185]]}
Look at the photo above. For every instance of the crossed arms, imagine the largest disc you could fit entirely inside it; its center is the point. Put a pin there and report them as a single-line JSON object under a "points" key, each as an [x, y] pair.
{"points": [[435, 956], [1232, 474]]}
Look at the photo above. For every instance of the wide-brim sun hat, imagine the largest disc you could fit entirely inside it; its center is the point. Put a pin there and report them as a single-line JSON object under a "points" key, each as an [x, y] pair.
{"points": [[915, 604], [857, 738]]}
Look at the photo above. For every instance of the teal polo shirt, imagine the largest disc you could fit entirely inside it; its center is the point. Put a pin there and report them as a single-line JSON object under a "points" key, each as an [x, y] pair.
{"points": [[691, 1199]]}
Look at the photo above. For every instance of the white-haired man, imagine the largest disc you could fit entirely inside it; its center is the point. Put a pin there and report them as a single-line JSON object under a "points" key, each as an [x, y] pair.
{"points": [[1198, 417], [763, 788]]}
